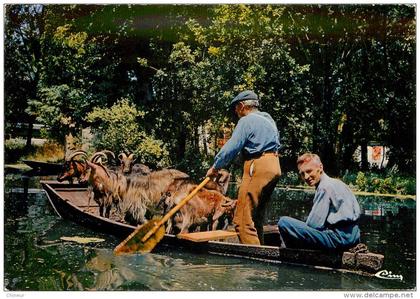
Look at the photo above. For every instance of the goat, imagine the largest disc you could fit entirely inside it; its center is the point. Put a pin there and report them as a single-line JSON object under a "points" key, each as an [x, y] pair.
{"points": [[220, 182], [205, 210], [138, 197], [127, 165], [100, 182], [209, 207], [73, 168], [135, 196], [140, 169]]}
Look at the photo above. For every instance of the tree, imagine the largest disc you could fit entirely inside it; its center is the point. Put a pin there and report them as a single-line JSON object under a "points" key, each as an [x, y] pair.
{"points": [[118, 129], [242, 47], [79, 71], [23, 60], [351, 70], [334, 77]]}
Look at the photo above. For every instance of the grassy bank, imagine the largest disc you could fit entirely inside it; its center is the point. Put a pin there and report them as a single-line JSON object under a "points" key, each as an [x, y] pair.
{"points": [[16, 151]]}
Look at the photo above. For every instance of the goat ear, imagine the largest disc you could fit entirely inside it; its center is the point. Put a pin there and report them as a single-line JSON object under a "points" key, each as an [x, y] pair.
{"points": [[133, 157], [121, 156]]}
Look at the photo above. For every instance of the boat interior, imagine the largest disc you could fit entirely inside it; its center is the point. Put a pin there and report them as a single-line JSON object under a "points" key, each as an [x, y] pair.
{"points": [[79, 196]]}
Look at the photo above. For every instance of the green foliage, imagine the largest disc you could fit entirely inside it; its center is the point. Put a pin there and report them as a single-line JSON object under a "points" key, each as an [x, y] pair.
{"points": [[152, 151], [22, 61], [118, 129], [386, 183], [14, 149], [355, 53], [242, 48], [57, 107], [71, 40], [333, 77], [290, 178], [72, 70], [361, 181], [194, 164]]}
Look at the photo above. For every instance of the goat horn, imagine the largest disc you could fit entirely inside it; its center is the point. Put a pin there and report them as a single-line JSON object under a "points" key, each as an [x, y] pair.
{"points": [[96, 155], [76, 153], [132, 156], [108, 152]]}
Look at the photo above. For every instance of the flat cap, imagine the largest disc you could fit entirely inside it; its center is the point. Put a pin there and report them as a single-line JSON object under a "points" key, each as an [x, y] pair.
{"points": [[244, 95]]}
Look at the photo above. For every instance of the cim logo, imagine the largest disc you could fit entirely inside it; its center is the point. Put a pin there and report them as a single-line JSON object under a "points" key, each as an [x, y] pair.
{"points": [[385, 274]]}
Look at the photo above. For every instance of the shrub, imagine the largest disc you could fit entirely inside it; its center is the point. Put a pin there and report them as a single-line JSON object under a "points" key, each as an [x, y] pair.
{"points": [[118, 129], [390, 182], [290, 178], [14, 149], [406, 185], [361, 181]]}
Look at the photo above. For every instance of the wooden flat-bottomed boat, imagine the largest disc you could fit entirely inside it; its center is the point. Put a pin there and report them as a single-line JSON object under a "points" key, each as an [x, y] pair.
{"points": [[71, 202]]}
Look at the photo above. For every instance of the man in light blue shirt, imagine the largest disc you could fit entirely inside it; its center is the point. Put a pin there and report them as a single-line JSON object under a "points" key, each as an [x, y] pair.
{"points": [[332, 222], [256, 135]]}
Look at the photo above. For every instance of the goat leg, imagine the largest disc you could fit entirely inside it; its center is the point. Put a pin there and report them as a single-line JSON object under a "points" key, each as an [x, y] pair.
{"points": [[107, 211]]}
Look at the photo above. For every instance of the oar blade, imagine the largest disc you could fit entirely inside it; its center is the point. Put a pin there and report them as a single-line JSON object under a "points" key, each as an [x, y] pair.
{"points": [[133, 242]]}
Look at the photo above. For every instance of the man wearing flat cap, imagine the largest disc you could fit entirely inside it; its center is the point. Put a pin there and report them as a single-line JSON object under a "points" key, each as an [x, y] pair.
{"points": [[256, 135]]}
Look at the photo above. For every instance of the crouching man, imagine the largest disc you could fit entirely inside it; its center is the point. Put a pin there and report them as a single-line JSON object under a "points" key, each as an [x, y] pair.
{"points": [[332, 222]]}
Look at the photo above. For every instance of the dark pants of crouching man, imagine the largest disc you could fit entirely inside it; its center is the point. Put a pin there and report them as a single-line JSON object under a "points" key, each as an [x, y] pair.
{"points": [[258, 182], [297, 234]]}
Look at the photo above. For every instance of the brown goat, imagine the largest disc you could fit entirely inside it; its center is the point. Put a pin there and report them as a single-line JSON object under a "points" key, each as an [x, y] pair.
{"points": [[135, 196], [127, 165], [219, 183], [100, 181], [73, 169], [206, 210]]}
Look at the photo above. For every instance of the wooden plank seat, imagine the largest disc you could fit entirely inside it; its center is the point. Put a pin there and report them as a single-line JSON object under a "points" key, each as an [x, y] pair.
{"points": [[207, 236]]}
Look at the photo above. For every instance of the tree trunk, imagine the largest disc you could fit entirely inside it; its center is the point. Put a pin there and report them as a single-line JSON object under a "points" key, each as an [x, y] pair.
{"points": [[29, 133], [348, 146], [182, 142], [328, 153], [364, 156], [203, 135]]}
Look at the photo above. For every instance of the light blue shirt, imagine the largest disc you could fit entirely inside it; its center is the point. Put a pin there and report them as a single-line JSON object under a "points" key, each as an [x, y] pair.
{"points": [[255, 133], [333, 202]]}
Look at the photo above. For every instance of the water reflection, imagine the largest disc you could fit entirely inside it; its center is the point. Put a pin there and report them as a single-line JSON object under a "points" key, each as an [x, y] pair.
{"points": [[36, 259], [179, 271], [109, 273]]}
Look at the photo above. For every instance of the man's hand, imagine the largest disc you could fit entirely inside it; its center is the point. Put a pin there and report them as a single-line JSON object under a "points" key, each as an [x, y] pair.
{"points": [[212, 172]]}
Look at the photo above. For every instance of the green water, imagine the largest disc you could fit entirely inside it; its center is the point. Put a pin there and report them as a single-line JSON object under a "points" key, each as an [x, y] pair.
{"points": [[36, 259]]}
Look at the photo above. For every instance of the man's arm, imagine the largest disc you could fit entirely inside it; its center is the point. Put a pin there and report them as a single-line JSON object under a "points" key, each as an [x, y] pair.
{"points": [[232, 147], [320, 209]]}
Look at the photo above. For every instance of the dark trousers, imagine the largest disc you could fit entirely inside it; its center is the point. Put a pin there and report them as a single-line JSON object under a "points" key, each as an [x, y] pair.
{"points": [[297, 234]]}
